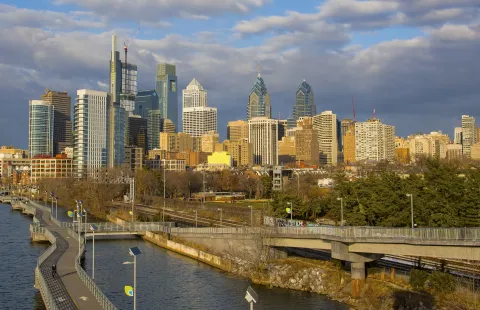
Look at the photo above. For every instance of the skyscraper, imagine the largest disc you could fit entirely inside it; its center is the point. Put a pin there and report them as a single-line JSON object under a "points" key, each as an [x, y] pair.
{"points": [[263, 135], [62, 128], [166, 87], [154, 127], [457, 139], [145, 100], [326, 125], [197, 118], [306, 141], [348, 140], [91, 124], [237, 130], [259, 100], [137, 132], [304, 102], [40, 128], [468, 134], [374, 141]]}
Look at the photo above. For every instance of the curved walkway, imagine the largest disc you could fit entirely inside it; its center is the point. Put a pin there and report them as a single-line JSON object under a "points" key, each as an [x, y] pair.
{"points": [[66, 287]]}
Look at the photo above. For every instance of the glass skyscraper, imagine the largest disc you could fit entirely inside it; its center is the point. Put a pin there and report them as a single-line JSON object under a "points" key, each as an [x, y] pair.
{"points": [[304, 102], [145, 101], [259, 100], [166, 88], [40, 128]]}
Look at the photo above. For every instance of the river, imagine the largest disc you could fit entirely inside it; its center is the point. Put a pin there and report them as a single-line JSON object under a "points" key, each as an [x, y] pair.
{"points": [[165, 280]]}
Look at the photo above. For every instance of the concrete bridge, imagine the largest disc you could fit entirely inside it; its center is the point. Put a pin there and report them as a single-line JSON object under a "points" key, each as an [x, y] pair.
{"points": [[357, 245]]}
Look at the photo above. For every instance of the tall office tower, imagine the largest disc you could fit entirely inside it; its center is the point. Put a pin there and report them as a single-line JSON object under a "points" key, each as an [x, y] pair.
{"points": [[306, 142], [263, 135], [237, 130], [137, 132], [468, 134], [259, 100], [115, 72], [154, 127], [168, 126], [91, 124], [168, 142], [40, 128], [185, 142], [62, 128], [166, 87], [209, 140], [194, 95], [348, 139], [198, 118], [145, 100], [326, 125], [374, 141], [282, 128], [457, 135], [128, 87], [304, 102]]}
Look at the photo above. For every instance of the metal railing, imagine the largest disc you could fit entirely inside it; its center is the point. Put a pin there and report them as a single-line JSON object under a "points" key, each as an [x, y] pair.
{"points": [[37, 229], [47, 296], [349, 233], [124, 227], [89, 283]]}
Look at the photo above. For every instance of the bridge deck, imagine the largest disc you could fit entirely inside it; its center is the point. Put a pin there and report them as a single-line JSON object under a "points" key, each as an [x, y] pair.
{"points": [[67, 288]]}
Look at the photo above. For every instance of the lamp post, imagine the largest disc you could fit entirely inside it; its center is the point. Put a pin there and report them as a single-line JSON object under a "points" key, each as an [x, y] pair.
{"points": [[203, 201], [86, 223], [51, 206], [134, 252], [341, 209], [251, 216], [291, 211], [45, 202], [93, 227], [196, 221], [411, 207], [79, 223], [164, 190], [220, 209], [132, 194], [56, 206]]}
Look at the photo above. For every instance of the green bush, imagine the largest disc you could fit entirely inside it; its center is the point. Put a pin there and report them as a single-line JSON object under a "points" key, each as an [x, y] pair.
{"points": [[442, 282], [418, 278]]}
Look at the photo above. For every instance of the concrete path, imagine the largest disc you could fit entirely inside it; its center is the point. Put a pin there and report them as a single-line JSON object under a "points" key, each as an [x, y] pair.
{"points": [[66, 287]]}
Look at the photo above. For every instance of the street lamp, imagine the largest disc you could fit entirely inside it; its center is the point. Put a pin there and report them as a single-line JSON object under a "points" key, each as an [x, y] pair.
{"points": [[93, 227], [411, 207], [79, 223], [135, 251], [291, 211], [45, 202], [51, 198], [251, 216], [220, 209], [341, 209], [251, 297]]}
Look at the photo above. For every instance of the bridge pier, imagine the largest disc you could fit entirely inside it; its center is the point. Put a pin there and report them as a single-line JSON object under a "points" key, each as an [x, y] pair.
{"points": [[358, 274]]}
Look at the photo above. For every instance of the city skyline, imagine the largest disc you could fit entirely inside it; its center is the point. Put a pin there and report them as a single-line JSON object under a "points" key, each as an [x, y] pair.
{"points": [[343, 56]]}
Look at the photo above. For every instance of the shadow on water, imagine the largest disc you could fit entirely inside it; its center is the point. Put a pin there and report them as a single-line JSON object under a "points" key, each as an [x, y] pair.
{"points": [[411, 300]]}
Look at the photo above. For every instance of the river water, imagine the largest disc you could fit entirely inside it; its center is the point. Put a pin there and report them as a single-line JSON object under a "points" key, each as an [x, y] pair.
{"points": [[165, 280]]}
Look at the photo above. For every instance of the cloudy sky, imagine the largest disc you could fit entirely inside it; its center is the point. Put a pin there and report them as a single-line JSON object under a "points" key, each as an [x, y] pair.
{"points": [[415, 61]]}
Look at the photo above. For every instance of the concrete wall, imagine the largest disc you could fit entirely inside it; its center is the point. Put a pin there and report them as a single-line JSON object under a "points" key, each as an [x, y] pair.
{"points": [[207, 258]]}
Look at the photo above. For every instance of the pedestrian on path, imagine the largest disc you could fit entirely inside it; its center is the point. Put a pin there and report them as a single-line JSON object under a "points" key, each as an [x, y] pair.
{"points": [[54, 270]]}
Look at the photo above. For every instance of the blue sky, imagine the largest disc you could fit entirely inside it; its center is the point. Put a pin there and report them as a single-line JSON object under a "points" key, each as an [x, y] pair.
{"points": [[415, 62]]}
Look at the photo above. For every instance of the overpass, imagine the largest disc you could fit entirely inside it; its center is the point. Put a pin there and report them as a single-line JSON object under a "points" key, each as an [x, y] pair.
{"points": [[357, 245]]}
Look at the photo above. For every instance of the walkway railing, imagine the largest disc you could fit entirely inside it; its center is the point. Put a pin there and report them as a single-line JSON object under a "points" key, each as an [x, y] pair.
{"points": [[124, 227], [47, 296], [92, 286], [350, 233]]}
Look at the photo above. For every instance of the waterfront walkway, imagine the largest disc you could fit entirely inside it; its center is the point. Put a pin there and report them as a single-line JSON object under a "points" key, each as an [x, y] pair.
{"points": [[67, 288]]}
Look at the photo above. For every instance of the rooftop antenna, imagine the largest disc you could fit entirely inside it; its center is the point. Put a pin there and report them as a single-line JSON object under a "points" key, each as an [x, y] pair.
{"points": [[125, 47], [258, 68], [374, 114], [354, 113], [278, 116]]}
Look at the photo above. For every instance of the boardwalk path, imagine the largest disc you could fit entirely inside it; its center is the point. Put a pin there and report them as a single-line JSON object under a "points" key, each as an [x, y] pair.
{"points": [[67, 288]]}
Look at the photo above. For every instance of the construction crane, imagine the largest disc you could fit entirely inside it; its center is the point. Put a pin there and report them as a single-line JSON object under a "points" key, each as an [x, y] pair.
{"points": [[125, 48]]}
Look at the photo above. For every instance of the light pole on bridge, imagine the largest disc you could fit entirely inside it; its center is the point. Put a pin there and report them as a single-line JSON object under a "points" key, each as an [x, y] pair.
{"points": [[411, 207], [341, 209], [93, 227]]}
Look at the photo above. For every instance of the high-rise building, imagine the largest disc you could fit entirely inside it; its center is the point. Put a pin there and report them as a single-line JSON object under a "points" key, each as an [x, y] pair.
{"points": [[374, 141], [263, 135], [348, 139], [326, 125], [137, 132], [468, 134], [306, 142], [304, 102], [237, 130], [259, 100], [168, 142], [134, 158], [198, 118], [454, 151], [282, 128], [145, 101], [168, 126], [40, 128], [154, 127], [209, 140], [62, 128], [166, 87], [287, 146], [457, 135], [241, 151], [91, 122], [185, 142]]}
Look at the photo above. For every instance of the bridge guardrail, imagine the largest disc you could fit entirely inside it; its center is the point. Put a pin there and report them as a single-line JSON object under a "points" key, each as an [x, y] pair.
{"points": [[92, 286], [113, 227], [416, 234], [48, 298]]}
